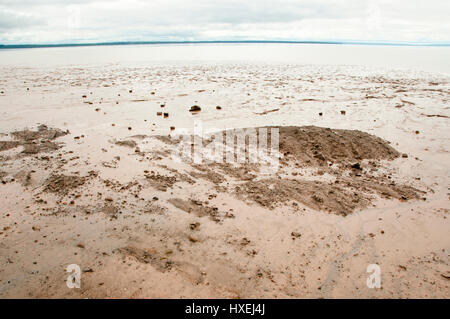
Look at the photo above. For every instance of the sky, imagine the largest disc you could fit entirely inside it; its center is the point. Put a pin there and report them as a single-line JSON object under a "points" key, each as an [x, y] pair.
{"points": [[85, 21]]}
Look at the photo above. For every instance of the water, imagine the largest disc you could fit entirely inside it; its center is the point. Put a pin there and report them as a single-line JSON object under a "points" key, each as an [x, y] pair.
{"points": [[432, 59]]}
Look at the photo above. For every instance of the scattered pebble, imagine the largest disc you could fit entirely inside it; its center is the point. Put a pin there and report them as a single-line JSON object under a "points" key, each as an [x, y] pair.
{"points": [[195, 108]]}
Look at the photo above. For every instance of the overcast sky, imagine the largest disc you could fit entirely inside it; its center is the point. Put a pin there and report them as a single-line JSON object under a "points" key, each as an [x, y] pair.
{"points": [[63, 21]]}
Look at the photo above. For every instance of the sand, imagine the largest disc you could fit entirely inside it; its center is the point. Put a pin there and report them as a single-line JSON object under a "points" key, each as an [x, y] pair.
{"points": [[88, 177]]}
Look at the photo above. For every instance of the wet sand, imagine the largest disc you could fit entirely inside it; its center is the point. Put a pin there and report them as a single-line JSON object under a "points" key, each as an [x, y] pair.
{"points": [[88, 178]]}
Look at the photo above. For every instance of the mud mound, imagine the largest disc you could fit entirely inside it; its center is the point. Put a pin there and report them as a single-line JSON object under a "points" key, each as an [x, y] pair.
{"points": [[34, 142], [160, 182], [43, 146], [62, 184], [127, 143], [23, 177], [342, 197], [6, 145], [152, 257], [198, 208], [207, 174], [43, 132], [316, 146]]}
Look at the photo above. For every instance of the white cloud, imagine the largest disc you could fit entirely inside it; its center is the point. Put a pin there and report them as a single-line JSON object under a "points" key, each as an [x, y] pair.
{"points": [[52, 21]]}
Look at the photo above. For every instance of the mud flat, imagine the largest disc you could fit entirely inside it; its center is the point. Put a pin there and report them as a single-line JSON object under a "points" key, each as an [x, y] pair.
{"points": [[89, 177]]}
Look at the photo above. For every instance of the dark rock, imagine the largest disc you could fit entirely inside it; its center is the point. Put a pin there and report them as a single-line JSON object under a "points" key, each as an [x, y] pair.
{"points": [[195, 108], [356, 166]]}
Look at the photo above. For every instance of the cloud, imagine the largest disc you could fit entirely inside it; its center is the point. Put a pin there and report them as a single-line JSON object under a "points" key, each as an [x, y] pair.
{"points": [[52, 21], [18, 20]]}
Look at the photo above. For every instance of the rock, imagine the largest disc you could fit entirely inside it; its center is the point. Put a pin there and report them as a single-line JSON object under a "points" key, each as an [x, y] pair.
{"points": [[166, 115], [158, 113], [320, 114], [295, 235], [342, 112], [128, 143], [405, 155], [194, 226], [356, 166], [195, 108], [218, 107], [193, 239]]}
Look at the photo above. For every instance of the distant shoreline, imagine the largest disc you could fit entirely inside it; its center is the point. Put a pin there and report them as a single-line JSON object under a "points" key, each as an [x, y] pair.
{"points": [[62, 45]]}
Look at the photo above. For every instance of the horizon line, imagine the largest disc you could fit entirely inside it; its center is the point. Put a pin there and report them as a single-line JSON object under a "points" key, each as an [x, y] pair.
{"points": [[113, 43]]}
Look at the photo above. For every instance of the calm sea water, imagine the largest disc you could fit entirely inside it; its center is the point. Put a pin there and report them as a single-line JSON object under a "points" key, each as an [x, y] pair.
{"points": [[433, 59]]}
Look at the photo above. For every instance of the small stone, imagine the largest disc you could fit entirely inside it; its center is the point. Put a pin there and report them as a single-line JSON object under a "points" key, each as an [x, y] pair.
{"points": [[195, 108], [296, 235], [193, 239], [194, 226]]}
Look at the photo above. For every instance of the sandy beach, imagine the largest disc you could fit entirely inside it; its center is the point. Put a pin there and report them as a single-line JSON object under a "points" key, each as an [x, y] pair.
{"points": [[88, 177]]}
